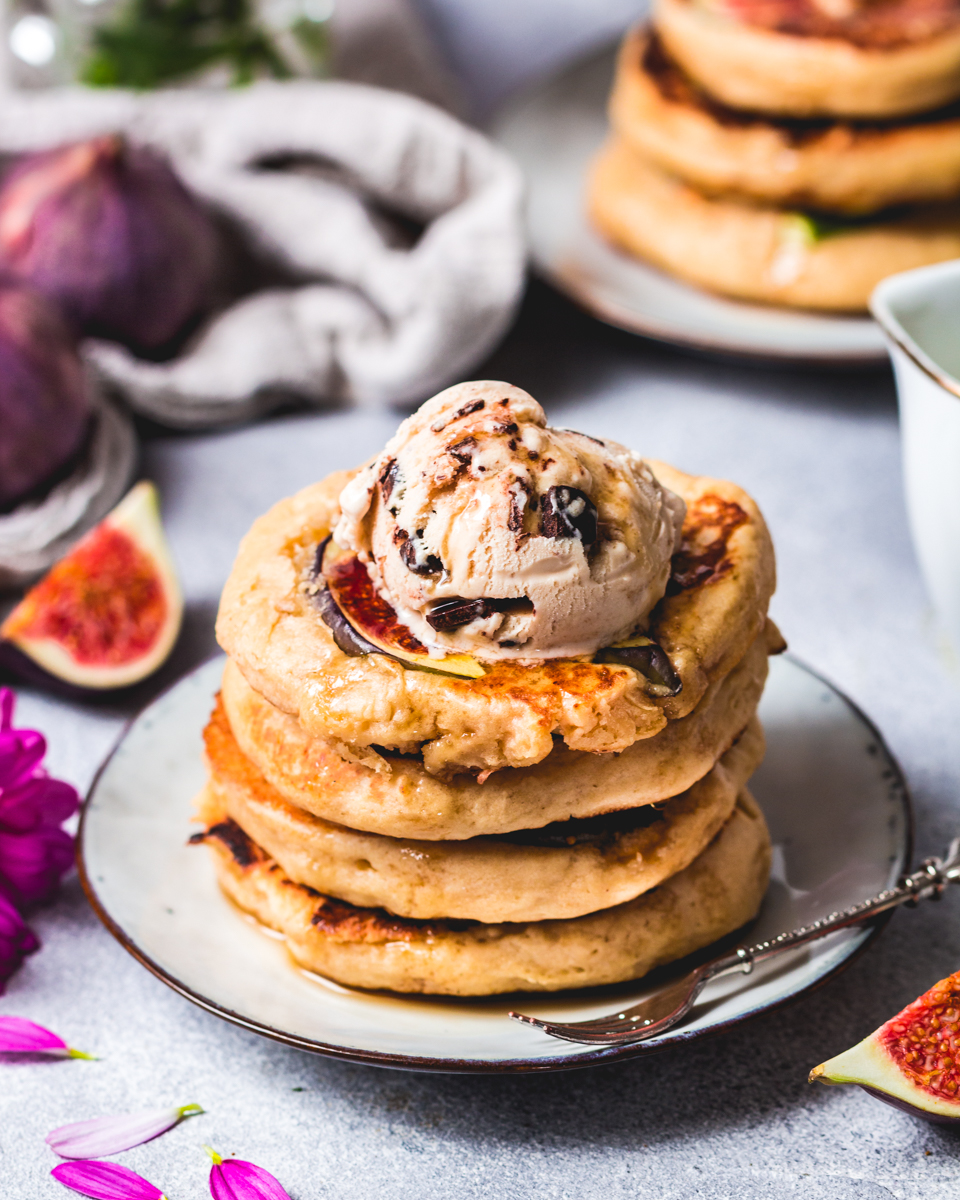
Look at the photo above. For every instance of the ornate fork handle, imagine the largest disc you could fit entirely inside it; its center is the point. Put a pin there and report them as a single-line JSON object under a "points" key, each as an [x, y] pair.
{"points": [[929, 882], [672, 1003]]}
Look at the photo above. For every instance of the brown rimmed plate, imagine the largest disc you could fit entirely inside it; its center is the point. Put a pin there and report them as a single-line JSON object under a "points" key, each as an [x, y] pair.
{"points": [[834, 798]]}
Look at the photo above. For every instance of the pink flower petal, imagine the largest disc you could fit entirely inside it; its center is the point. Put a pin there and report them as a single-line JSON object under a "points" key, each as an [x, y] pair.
{"points": [[36, 801], [101, 1136], [237, 1180], [20, 1036], [105, 1181], [31, 864], [34, 851], [16, 940], [21, 751]]}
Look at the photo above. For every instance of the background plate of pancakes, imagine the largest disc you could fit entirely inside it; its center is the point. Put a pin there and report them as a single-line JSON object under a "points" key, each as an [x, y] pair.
{"points": [[833, 797], [555, 132]]}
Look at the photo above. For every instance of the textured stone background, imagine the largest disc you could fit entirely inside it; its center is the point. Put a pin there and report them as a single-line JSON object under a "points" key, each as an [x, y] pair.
{"points": [[732, 1117], [729, 1118]]}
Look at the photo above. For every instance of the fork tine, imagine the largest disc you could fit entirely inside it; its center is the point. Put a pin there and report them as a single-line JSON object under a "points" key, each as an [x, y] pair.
{"points": [[608, 1024], [602, 1031], [566, 1034]]}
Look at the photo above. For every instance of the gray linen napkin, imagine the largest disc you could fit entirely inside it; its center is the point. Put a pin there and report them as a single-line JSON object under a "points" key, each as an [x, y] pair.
{"points": [[372, 321]]}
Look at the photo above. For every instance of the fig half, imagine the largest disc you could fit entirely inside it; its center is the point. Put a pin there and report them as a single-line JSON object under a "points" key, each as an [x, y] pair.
{"points": [[913, 1061], [108, 614], [372, 619]]}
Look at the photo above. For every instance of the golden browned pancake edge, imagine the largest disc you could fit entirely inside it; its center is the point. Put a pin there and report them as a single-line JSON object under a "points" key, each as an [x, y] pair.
{"points": [[271, 628], [362, 947], [752, 252], [566, 870], [394, 795], [763, 70], [838, 166]]}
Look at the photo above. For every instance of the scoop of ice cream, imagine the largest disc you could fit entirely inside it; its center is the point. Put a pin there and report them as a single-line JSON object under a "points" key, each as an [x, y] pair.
{"points": [[493, 534]]}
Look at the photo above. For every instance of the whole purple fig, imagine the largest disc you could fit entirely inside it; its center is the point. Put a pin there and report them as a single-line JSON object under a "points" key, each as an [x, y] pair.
{"points": [[44, 403], [108, 231]]}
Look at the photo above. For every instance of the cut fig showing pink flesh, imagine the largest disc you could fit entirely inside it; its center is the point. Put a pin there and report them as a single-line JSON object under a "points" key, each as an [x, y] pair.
{"points": [[108, 614], [372, 618], [912, 1061]]}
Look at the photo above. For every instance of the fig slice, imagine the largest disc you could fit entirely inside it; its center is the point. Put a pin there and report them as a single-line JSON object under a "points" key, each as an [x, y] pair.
{"points": [[649, 658], [108, 614], [372, 619], [912, 1061]]}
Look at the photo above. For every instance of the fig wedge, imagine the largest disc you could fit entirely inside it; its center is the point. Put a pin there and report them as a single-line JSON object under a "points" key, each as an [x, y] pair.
{"points": [[370, 620], [913, 1060], [108, 614], [649, 658]]}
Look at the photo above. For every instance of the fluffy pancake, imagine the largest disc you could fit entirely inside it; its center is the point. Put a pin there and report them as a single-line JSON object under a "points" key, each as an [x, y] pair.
{"points": [[755, 253], [368, 948], [563, 870], [396, 796], [803, 74], [830, 165], [268, 623]]}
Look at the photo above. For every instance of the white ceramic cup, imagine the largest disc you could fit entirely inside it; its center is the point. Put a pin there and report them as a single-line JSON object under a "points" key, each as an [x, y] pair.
{"points": [[919, 312]]}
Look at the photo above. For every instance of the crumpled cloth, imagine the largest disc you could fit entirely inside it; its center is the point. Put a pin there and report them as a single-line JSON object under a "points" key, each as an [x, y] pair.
{"points": [[370, 320], [37, 533]]}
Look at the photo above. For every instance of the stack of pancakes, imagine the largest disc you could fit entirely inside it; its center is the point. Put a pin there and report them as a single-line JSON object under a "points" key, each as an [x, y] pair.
{"points": [[537, 828], [788, 151]]}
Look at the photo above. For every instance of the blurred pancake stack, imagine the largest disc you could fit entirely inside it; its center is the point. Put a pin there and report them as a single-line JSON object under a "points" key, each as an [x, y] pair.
{"points": [[489, 712], [792, 152]]}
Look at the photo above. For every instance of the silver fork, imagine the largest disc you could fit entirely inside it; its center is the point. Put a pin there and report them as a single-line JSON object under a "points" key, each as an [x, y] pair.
{"points": [[671, 1004]]}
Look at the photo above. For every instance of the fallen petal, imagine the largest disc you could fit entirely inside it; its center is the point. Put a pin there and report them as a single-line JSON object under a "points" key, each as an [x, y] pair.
{"points": [[109, 1135], [17, 940], [105, 1181], [238, 1180], [20, 1036]]}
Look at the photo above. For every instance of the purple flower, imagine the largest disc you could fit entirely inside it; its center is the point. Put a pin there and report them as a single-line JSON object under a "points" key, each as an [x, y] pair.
{"points": [[34, 851], [109, 1135], [20, 1036], [16, 940], [105, 1181], [237, 1180]]}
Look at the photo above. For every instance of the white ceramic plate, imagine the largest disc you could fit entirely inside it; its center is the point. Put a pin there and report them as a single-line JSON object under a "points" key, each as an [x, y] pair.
{"points": [[553, 132], [835, 801]]}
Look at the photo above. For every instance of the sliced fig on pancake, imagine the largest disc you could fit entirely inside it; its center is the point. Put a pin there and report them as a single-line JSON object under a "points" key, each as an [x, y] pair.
{"points": [[649, 658], [362, 622]]}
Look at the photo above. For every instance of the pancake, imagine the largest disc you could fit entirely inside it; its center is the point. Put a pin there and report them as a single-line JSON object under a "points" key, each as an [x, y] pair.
{"points": [[807, 74], [757, 253], [396, 796], [366, 947], [268, 623], [559, 871], [834, 166]]}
